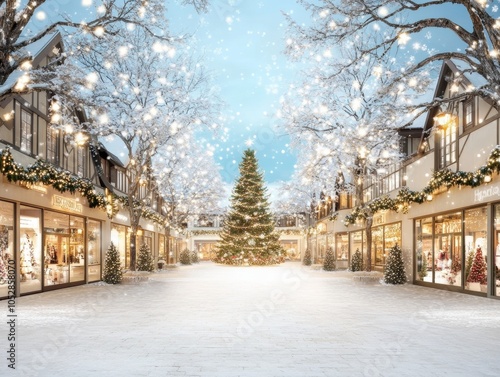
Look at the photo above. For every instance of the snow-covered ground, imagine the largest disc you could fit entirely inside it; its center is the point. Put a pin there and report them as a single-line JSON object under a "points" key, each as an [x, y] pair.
{"points": [[209, 320]]}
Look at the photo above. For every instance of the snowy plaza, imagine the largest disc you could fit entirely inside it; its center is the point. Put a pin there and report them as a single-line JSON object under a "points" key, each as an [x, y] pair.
{"points": [[287, 320]]}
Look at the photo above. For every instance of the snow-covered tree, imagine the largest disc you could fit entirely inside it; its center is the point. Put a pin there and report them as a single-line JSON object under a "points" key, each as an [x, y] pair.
{"points": [[248, 235], [470, 27], [143, 92], [356, 261], [343, 122], [329, 262], [20, 29], [112, 273], [145, 259], [394, 272], [188, 180], [185, 257]]}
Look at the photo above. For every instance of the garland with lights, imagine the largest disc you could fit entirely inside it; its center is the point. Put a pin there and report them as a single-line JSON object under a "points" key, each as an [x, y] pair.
{"points": [[146, 213], [289, 232], [442, 178], [203, 232], [44, 173]]}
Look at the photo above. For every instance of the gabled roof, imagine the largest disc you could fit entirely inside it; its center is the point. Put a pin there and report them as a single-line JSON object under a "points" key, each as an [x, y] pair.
{"points": [[449, 68], [37, 50]]}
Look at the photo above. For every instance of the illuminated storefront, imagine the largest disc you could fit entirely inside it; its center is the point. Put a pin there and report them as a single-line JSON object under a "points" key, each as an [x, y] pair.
{"points": [[451, 249], [56, 249]]}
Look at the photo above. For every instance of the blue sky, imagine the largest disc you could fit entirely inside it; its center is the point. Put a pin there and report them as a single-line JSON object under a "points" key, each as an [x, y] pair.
{"points": [[242, 42]]}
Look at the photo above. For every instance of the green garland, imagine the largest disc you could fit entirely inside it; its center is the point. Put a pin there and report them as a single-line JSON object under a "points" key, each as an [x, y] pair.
{"points": [[48, 175], [203, 232], [442, 178], [289, 232], [147, 213]]}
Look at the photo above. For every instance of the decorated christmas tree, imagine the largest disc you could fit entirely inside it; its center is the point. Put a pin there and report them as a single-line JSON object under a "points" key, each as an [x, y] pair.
{"points": [[145, 259], [194, 257], [329, 262], [394, 268], [112, 270], [478, 269], [248, 236], [307, 261], [185, 257], [356, 261], [28, 261]]}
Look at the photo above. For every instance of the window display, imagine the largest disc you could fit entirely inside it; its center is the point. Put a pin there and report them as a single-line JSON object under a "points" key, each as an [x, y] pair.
{"points": [[378, 257], [161, 247], [64, 259], [342, 250], [448, 249], [77, 249], [30, 250], [476, 249], [423, 246], [120, 236], [357, 242], [383, 239], [93, 250], [7, 261], [496, 257], [441, 257]]}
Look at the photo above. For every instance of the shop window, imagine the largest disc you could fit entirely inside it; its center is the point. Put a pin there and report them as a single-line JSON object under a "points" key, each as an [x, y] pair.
{"points": [[378, 256], [291, 249], [357, 243], [496, 235], [52, 146], [93, 250], [26, 131], [161, 247], [120, 236], [30, 251], [424, 250], [447, 254], [64, 250], [145, 237], [342, 250], [476, 249], [7, 259], [383, 239], [76, 256]]}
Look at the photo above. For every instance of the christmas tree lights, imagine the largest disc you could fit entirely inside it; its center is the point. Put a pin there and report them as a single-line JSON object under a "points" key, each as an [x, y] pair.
{"points": [[394, 268], [145, 259], [248, 236], [112, 273], [478, 269], [329, 262]]}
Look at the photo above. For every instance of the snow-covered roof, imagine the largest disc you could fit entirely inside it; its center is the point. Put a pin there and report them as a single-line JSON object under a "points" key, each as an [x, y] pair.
{"points": [[474, 78], [36, 50]]}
